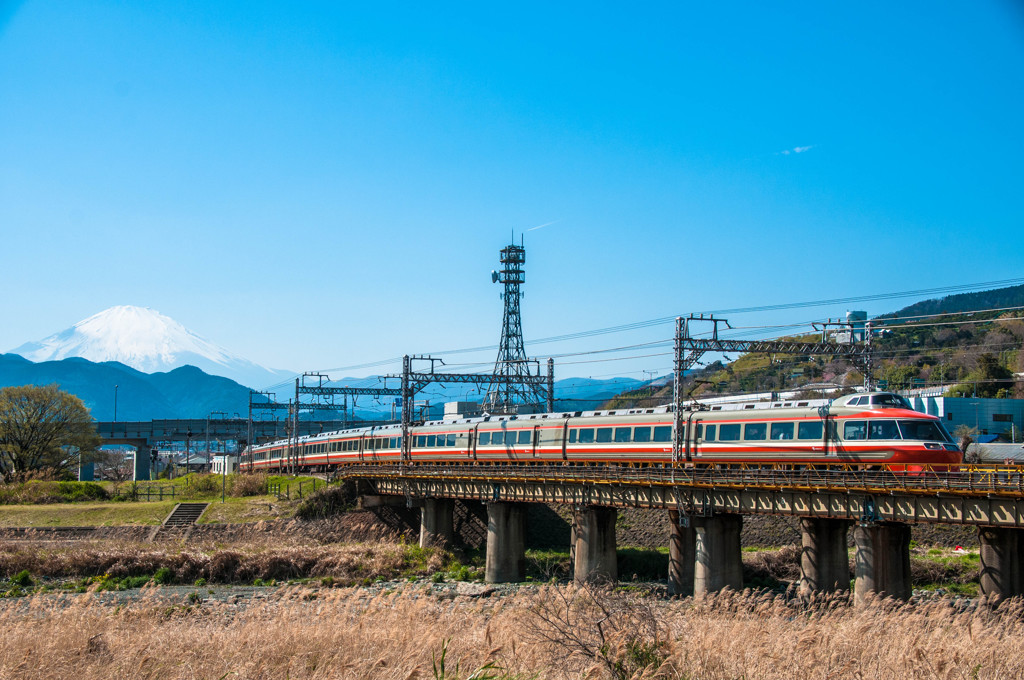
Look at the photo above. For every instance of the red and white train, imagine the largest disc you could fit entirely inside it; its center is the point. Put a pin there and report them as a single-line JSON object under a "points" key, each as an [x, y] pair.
{"points": [[869, 429]]}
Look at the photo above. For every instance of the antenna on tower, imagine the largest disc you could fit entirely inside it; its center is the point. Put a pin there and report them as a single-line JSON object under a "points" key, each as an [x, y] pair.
{"points": [[504, 396]]}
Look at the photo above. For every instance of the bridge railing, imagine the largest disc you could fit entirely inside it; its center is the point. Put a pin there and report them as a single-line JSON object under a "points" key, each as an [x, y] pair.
{"points": [[972, 480]]}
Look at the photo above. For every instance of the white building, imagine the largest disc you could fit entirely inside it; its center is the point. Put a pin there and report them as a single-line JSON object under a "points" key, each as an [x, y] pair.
{"points": [[221, 463]]}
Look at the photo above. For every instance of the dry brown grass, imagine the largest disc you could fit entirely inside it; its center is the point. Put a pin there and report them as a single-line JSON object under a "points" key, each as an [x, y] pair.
{"points": [[247, 559], [351, 634]]}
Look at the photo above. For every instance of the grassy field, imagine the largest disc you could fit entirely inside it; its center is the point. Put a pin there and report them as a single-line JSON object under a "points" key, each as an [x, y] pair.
{"points": [[84, 514], [554, 633], [255, 505]]}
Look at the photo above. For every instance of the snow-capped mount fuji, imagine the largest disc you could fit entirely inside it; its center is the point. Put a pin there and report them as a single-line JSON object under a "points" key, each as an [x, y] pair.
{"points": [[149, 342]]}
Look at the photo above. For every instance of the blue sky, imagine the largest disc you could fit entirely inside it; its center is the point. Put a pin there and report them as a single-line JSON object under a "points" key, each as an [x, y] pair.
{"points": [[322, 185]]}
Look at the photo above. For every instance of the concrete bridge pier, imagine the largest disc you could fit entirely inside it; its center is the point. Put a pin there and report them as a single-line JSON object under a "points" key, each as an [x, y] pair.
{"points": [[718, 560], [506, 543], [86, 472], [824, 562], [437, 522], [593, 535], [1002, 557], [681, 556], [882, 561], [143, 460]]}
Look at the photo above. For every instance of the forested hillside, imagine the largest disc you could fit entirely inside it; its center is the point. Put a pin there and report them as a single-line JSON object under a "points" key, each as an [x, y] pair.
{"points": [[974, 353]]}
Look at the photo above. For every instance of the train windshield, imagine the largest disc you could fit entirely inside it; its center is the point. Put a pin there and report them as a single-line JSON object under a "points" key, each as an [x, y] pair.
{"points": [[890, 401], [923, 430]]}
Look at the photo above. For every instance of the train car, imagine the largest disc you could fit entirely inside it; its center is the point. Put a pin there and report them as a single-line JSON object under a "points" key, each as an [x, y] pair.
{"points": [[870, 429]]}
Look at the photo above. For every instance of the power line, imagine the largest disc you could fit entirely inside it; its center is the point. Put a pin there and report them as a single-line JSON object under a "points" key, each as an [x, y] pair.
{"points": [[736, 310]]}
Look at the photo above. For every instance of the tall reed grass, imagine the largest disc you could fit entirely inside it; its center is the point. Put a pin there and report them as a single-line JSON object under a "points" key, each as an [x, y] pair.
{"points": [[348, 633]]}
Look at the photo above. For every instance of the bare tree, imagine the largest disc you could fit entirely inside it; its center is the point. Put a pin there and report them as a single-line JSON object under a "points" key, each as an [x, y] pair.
{"points": [[116, 466], [593, 623], [43, 430]]}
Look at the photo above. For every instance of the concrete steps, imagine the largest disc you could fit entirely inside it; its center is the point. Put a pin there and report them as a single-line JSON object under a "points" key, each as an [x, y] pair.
{"points": [[180, 522]]}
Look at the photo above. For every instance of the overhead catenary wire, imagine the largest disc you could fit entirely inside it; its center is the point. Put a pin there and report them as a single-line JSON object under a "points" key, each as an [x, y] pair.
{"points": [[888, 322]]}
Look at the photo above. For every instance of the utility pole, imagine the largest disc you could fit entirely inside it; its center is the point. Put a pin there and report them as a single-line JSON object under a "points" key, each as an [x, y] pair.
{"points": [[688, 350]]}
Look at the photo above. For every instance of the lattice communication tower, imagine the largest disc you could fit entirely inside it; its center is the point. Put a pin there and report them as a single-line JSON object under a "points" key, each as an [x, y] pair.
{"points": [[506, 396]]}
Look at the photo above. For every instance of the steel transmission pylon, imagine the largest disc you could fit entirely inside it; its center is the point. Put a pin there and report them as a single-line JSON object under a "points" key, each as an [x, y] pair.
{"points": [[506, 396]]}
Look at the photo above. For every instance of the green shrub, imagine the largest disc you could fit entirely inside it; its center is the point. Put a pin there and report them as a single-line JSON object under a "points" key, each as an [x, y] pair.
{"points": [[163, 576], [37, 492], [22, 579]]}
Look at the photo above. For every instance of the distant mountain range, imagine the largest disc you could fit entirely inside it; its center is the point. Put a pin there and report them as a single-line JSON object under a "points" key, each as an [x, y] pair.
{"points": [[184, 392], [188, 392], [148, 341]]}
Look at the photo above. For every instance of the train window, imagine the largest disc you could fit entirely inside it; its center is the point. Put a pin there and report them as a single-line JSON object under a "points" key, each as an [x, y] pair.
{"points": [[451, 440], [572, 436], [810, 430], [710, 431], [755, 431], [641, 434], [525, 436], [883, 429], [729, 432], [604, 435], [497, 437], [587, 435], [663, 433], [622, 435], [431, 440], [421, 441], [923, 430], [782, 431], [854, 430], [485, 438], [394, 442]]}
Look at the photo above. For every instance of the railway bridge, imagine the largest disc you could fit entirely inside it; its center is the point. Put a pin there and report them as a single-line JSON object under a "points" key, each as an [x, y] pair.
{"points": [[706, 505]]}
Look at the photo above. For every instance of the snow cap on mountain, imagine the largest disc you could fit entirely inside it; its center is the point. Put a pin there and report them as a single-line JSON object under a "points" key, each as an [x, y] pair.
{"points": [[148, 341]]}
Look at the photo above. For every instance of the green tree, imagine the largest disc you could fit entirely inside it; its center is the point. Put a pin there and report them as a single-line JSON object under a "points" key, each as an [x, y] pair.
{"points": [[899, 377], [43, 430]]}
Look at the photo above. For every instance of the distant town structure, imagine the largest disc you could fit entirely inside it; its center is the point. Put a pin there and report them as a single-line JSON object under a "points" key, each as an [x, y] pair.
{"points": [[1004, 417], [224, 465], [856, 332]]}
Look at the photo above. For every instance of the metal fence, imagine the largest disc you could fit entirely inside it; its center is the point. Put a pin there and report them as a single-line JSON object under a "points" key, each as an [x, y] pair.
{"points": [[284, 490], [146, 493]]}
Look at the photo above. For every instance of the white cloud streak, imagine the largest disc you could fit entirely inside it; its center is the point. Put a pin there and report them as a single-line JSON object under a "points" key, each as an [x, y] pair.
{"points": [[795, 149], [541, 226]]}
